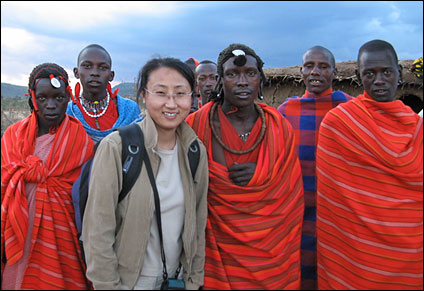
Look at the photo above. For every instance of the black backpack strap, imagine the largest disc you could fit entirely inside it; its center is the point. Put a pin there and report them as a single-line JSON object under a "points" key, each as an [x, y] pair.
{"points": [[157, 212], [133, 151], [194, 157], [84, 183]]}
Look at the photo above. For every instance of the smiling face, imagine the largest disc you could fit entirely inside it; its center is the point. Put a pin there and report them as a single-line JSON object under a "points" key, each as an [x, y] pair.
{"points": [[167, 98], [317, 71], [379, 74], [51, 103], [94, 72], [240, 84]]}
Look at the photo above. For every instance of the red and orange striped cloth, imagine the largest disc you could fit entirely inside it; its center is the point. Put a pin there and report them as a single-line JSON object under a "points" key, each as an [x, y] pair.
{"points": [[253, 231], [370, 197], [55, 259]]}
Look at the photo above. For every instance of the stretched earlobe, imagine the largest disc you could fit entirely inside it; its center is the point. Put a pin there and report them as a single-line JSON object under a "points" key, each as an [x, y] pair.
{"points": [[220, 92], [261, 95], [335, 72], [358, 78]]}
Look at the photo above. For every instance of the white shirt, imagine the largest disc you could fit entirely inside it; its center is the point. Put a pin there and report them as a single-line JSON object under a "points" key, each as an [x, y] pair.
{"points": [[421, 113], [171, 194]]}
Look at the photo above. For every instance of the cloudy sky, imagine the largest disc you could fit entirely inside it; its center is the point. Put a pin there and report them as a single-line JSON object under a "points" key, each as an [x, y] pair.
{"points": [[133, 32]]}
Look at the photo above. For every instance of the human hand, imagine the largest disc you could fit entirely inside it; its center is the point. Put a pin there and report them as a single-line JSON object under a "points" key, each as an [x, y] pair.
{"points": [[241, 174]]}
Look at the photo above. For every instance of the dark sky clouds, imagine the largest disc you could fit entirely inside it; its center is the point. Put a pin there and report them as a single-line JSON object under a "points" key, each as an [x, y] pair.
{"points": [[134, 32]]}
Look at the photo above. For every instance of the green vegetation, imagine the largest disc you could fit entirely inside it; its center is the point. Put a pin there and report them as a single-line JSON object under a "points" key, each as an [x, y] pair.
{"points": [[126, 90], [16, 104]]}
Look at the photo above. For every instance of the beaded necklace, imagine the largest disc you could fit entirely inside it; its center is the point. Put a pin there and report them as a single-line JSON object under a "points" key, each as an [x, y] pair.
{"points": [[258, 141], [95, 106]]}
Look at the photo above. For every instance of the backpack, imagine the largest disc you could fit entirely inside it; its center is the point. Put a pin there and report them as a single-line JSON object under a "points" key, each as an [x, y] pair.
{"points": [[133, 150]]}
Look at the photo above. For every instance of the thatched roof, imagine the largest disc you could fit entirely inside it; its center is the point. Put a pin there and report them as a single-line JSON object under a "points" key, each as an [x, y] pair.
{"points": [[346, 73]]}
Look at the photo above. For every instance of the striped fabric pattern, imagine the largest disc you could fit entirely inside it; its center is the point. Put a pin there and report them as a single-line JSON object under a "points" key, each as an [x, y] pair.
{"points": [[253, 232], [305, 115], [55, 260], [370, 197]]}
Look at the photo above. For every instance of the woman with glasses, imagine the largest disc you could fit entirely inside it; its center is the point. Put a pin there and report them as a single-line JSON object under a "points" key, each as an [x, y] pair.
{"points": [[121, 240]]}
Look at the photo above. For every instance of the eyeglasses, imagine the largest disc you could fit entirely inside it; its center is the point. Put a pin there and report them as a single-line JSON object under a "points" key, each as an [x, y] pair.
{"points": [[163, 94]]}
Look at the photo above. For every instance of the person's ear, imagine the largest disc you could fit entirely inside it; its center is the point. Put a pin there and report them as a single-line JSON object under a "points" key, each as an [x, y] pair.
{"points": [[111, 76], [400, 75], [358, 77], [335, 72], [333, 76], [76, 74], [142, 96]]}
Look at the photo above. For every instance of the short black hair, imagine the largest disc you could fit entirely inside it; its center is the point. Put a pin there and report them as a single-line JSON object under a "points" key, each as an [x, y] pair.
{"points": [[226, 54], [207, 62], [153, 64], [323, 49], [43, 71], [97, 46], [377, 45]]}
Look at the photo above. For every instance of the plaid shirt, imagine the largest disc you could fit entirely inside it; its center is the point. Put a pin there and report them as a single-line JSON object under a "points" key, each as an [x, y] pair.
{"points": [[305, 115]]}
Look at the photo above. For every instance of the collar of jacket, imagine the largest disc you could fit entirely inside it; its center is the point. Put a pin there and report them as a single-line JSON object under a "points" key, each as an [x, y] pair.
{"points": [[185, 134]]}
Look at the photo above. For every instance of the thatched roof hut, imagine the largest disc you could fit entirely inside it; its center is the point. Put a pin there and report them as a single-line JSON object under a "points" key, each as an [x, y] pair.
{"points": [[287, 82]]}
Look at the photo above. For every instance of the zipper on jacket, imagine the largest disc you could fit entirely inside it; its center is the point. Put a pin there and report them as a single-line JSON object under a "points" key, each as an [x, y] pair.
{"points": [[190, 231]]}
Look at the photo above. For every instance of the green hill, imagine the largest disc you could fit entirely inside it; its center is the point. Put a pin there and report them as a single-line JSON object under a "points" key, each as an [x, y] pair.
{"points": [[126, 90], [13, 91]]}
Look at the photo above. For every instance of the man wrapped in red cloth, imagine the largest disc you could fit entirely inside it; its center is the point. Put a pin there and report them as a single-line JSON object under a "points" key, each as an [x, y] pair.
{"points": [[370, 184], [255, 199], [41, 157]]}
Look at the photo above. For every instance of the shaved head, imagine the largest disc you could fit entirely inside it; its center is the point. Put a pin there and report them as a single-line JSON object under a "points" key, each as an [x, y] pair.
{"points": [[322, 50], [94, 46]]}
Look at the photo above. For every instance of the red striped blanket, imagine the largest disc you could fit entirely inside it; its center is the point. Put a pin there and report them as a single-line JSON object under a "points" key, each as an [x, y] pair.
{"points": [[370, 197], [253, 231], [55, 259]]}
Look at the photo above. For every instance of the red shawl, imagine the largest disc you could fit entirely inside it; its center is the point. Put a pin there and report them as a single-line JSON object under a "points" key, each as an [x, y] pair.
{"points": [[253, 232], [370, 197], [55, 259]]}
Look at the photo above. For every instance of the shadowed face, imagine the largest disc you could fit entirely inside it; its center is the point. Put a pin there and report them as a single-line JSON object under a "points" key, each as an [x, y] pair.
{"points": [[241, 84], [206, 77], [379, 74], [51, 103], [94, 72], [317, 71]]}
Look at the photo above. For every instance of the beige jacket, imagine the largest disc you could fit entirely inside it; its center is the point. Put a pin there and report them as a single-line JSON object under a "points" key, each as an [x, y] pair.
{"points": [[116, 236]]}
